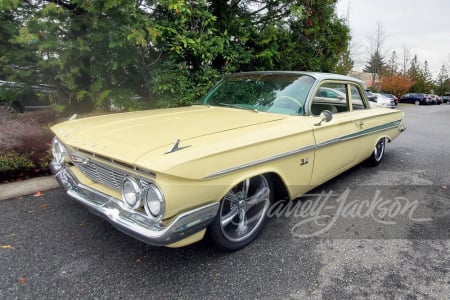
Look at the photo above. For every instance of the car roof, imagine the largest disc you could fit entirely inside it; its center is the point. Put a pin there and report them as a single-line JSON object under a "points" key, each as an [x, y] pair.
{"points": [[316, 75]]}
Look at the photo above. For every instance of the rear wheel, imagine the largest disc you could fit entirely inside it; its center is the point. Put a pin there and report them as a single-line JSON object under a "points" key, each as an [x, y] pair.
{"points": [[242, 213], [378, 153], [417, 102]]}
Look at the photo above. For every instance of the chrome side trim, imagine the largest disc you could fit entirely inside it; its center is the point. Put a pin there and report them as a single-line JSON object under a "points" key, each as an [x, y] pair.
{"points": [[134, 223], [361, 133], [307, 148], [261, 161]]}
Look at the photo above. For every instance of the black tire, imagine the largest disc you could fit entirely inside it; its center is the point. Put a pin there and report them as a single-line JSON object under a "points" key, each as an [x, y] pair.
{"points": [[242, 213], [378, 153]]}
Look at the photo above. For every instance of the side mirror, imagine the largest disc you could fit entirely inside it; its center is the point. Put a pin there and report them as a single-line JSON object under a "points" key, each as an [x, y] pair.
{"points": [[326, 116]]}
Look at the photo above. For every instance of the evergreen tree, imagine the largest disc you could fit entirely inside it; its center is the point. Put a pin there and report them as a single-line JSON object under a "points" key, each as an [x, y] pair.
{"points": [[376, 64], [392, 67], [443, 82], [427, 78], [416, 74]]}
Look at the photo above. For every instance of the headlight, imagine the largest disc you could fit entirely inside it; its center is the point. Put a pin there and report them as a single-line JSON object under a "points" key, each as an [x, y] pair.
{"points": [[58, 150], [131, 193], [154, 201]]}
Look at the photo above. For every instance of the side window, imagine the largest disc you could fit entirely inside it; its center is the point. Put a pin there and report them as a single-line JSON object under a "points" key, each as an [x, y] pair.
{"points": [[330, 96], [357, 100]]}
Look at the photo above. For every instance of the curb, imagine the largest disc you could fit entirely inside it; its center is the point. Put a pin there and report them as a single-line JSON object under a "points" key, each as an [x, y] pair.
{"points": [[27, 187]]}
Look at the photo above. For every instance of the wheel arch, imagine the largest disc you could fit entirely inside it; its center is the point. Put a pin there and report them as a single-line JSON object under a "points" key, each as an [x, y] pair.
{"points": [[280, 190]]}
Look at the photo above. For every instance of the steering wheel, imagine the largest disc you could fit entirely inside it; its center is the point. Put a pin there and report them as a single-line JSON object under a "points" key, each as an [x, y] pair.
{"points": [[290, 99], [295, 105]]}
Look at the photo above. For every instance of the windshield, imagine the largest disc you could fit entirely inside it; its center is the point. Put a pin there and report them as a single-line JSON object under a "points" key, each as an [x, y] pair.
{"points": [[274, 93]]}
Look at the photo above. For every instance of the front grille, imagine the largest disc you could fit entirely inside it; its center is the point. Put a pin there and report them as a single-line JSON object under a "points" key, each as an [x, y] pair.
{"points": [[98, 172]]}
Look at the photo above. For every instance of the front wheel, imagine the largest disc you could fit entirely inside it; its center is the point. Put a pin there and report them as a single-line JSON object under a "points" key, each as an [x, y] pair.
{"points": [[378, 153], [242, 213]]}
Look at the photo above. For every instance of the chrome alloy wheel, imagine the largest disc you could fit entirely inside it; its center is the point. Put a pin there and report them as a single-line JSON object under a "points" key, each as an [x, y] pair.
{"points": [[242, 213]]}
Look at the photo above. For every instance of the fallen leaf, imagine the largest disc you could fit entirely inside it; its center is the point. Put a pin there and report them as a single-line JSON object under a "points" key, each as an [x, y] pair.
{"points": [[37, 194], [138, 260], [21, 280], [44, 205], [444, 187], [7, 247]]}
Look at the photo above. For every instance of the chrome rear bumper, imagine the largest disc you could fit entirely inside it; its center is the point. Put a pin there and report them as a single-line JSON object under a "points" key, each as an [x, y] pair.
{"points": [[130, 222]]}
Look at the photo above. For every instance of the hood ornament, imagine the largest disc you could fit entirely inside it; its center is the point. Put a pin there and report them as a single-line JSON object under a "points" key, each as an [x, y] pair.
{"points": [[73, 117], [176, 147]]}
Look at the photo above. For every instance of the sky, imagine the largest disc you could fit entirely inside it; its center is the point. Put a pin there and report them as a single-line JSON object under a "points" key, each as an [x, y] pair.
{"points": [[421, 27]]}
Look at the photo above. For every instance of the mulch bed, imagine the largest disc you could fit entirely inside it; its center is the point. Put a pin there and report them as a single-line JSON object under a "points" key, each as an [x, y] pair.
{"points": [[27, 134]]}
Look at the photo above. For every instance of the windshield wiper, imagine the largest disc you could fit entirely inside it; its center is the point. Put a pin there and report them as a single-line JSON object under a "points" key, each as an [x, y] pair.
{"points": [[237, 106]]}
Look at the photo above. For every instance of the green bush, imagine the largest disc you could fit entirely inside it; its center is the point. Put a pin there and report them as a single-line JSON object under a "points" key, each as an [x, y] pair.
{"points": [[13, 161]]}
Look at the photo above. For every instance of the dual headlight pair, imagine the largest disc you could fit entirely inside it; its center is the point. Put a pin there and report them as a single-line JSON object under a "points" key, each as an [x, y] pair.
{"points": [[137, 193]]}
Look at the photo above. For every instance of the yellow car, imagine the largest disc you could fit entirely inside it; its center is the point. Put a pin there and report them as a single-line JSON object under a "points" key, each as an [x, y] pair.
{"points": [[168, 176]]}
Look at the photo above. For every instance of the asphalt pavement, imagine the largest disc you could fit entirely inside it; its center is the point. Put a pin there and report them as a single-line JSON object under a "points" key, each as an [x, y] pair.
{"points": [[53, 248]]}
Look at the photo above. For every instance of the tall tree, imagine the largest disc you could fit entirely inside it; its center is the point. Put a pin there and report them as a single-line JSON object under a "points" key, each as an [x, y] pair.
{"points": [[405, 59], [415, 73], [392, 66], [18, 61], [443, 82], [421, 75], [427, 78], [376, 64]]}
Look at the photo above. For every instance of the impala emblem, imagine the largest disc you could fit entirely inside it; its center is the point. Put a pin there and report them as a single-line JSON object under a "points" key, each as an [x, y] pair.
{"points": [[304, 161], [79, 160]]}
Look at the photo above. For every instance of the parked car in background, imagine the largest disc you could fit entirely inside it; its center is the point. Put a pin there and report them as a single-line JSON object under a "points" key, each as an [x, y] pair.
{"points": [[393, 97], [435, 99], [169, 176], [415, 98], [19, 97], [371, 96], [446, 98], [384, 101], [438, 99]]}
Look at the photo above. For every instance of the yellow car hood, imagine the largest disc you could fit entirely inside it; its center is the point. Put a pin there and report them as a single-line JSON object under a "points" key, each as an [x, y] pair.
{"points": [[144, 138]]}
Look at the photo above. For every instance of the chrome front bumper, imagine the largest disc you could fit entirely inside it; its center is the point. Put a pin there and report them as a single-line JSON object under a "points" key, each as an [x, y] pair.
{"points": [[130, 222]]}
